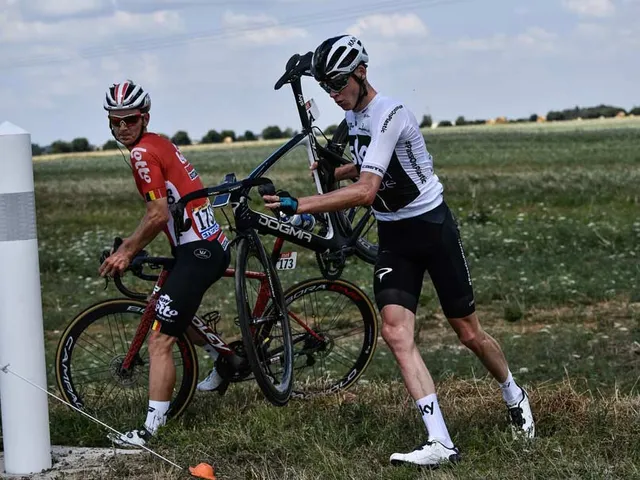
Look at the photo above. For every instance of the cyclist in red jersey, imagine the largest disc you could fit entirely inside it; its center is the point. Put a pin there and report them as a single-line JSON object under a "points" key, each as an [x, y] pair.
{"points": [[163, 175]]}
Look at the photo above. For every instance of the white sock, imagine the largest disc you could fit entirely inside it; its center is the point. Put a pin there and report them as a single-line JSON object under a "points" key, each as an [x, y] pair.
{"points": [[213, 353], [156, 415], [511, 392], [433, 420]]}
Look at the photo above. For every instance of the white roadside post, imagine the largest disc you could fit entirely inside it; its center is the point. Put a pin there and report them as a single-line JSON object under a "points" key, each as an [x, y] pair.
{"points": [[25, 414]]}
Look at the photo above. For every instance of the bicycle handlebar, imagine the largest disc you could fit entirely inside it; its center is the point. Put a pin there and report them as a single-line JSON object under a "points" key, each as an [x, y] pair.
{"points": [[177, 209], [136, 267], [226, 187]]}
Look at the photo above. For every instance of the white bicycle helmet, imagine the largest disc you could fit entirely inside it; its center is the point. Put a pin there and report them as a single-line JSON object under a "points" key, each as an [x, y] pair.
{"points": [[338, 56], [125, 96]]}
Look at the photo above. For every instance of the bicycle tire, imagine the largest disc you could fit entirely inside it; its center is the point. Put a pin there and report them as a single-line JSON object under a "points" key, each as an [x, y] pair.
{"points": [[69, 372], [257, 332], [366, 249], [322, 357]]}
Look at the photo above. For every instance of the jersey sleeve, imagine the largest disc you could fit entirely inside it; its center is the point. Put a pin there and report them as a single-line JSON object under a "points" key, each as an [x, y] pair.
{"points": [[147, 171], [384, 138]]}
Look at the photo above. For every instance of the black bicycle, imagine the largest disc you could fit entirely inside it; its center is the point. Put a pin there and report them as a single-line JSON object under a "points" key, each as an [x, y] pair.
{"points": [[341, 234]]}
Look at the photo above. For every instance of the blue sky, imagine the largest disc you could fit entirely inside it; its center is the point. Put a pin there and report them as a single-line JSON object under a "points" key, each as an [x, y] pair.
{"points": [[212, 64]]}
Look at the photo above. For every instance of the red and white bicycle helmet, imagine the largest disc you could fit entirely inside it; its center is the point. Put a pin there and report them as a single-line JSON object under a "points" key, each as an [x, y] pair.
{"points": [[125, 96]]}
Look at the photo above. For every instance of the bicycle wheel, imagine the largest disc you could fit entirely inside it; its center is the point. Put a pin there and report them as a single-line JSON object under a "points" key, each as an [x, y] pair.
{"points": [[334, 332], [89, 358], [262, 316], [367, 243]]}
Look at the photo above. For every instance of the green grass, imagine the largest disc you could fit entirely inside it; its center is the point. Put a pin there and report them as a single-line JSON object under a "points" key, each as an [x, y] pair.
{"points": [[550, 222]]}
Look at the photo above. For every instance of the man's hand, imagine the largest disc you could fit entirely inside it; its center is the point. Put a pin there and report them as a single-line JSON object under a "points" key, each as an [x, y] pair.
{"points": [[116, 263], [282, 201]]}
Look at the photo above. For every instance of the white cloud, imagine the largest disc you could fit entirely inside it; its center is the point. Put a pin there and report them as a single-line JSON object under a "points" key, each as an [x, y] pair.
{"points": [[590, 8], [146, 70], [272, 35], [230, 19], [87, 31], [60, 8], [259, 29], [534, 38], [396, 25]]}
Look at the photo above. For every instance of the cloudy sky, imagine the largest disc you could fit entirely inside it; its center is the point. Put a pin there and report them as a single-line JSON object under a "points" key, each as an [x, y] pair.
{"points": [[212, 63]]}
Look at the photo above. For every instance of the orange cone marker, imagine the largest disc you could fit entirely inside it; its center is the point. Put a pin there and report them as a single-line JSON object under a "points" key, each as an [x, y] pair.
{"points": [[203, 470]]}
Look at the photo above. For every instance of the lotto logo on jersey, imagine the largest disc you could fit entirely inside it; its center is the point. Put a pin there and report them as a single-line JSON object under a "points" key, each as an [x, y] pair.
{"points": [[139, 164]]}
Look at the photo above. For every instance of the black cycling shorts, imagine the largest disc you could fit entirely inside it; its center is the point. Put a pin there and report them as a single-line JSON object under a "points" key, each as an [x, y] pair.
{"points": [[198, 266], [429, 242]]}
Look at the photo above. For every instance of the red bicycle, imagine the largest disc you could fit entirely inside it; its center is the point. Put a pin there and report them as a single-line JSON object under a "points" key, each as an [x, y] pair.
{"points": [[102, 362]]}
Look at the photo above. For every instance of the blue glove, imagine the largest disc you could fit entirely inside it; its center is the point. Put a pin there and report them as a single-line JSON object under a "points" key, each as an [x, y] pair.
{"points": [[288, 203]]}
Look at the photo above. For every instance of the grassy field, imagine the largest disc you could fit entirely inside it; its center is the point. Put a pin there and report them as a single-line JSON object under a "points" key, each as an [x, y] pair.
{"points": [[550, 222]]}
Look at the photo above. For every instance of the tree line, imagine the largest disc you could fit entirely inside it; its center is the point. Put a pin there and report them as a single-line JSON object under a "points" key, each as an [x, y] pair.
{"points": [[600, 111], [182, 138]]}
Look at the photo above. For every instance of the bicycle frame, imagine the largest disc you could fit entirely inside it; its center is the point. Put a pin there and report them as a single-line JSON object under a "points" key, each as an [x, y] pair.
{"points": [[336, 240]]}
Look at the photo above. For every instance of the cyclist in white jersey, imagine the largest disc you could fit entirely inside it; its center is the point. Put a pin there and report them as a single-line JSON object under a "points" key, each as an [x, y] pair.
{"points": [[417, 234]]}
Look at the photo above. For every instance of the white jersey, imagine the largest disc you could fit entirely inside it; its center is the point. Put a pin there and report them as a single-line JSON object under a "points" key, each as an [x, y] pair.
{"points": [[385, 139]]}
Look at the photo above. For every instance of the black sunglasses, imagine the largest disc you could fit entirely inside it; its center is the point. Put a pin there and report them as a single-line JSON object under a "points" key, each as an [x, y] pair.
{"points": [[336, 84]]}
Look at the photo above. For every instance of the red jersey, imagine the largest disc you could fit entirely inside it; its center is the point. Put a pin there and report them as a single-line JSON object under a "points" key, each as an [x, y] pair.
{"points": [[160, 170]]}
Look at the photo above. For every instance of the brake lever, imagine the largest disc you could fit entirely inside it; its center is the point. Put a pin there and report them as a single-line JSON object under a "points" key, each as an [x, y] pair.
{"points": [[269, 189], [117, 241]]}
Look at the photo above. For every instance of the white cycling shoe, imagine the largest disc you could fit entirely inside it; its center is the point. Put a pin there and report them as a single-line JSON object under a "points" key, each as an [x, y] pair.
{"points": [[211, 383], [134, 438], [432, 454], [521, 418]]}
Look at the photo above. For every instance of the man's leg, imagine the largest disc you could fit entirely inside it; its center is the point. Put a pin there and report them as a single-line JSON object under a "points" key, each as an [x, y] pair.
{"points": [[488, 351], [398, 324], [162, 369], [176, 304], [485, 347], [397, 284], [162, 379], [449, 272]]}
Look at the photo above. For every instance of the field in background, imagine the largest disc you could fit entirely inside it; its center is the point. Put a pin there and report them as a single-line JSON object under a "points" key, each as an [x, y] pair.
{"points": [[550, 222], [589, 124]]}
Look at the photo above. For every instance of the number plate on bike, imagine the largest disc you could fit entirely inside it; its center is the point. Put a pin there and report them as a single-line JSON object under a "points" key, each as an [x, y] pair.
{"points": [[312, 110], [287, 261]]}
